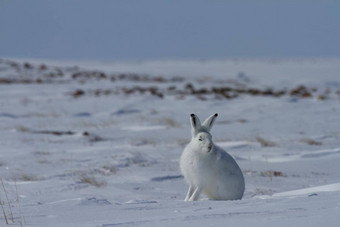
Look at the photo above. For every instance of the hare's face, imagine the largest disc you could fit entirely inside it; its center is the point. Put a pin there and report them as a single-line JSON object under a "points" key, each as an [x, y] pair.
{"points": [[204, 142]]}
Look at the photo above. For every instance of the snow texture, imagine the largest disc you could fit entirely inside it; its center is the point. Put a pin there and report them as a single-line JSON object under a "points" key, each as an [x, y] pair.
{"points": [[98, 144]]}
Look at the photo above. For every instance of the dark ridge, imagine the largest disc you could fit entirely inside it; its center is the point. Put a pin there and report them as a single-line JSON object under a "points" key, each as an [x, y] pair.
{"points": [[165, 178]]}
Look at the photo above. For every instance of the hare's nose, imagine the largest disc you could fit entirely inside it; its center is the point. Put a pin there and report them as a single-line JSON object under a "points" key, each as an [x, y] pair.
{"points": [[210, 146]]}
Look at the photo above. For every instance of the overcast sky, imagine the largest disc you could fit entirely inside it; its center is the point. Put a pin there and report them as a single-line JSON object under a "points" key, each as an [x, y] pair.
{"points": [[177, 29]]}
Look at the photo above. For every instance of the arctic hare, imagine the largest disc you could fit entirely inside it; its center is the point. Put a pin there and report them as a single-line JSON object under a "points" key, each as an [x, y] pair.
{"points": [[207, 167]]}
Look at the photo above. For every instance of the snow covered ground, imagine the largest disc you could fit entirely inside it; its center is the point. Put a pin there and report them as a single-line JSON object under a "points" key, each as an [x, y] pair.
{"points": [[98, 143]]}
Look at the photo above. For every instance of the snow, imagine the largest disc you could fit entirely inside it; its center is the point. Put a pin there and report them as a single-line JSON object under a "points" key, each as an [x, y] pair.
{"points": [[109, 156], [312, 191]]}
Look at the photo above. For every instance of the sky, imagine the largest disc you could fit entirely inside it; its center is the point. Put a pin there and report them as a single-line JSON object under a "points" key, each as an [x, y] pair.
{"points": [[179, 29]]}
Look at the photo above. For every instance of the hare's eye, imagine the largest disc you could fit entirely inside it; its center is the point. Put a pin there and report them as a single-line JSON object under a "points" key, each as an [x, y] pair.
{"points": [[200, 139]]}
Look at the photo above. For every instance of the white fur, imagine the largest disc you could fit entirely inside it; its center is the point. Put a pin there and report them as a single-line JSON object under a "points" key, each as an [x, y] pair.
{"points": [[208, 168]]}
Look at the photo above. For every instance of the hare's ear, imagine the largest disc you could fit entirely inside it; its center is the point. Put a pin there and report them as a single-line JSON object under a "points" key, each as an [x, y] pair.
{"points": [[208, 123], [195, 124]]}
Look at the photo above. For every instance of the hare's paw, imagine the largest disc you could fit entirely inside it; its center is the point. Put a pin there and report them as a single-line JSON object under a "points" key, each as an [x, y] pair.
{"points": [[196, 194]]}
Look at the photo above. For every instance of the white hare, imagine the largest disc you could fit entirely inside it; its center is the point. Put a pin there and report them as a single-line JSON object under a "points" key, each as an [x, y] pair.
{"points": [[207, 167]]}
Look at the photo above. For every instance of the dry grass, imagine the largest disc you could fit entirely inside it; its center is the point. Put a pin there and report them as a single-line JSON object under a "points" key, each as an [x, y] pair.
{"points": [[268, 173], [17, 200], [92, 137], [249, 172], [311, 142], [264, 142], [8, 216], [272, 173], [264, 191], [8, 202], [106, 170], [92, 181], [241, 120], [3, 211], [26, 177]]}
